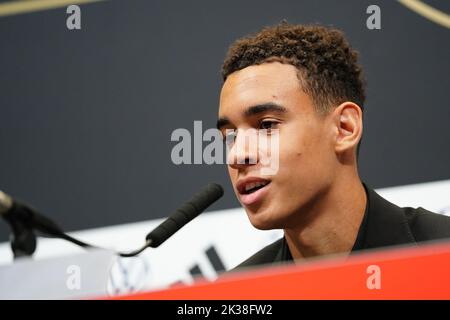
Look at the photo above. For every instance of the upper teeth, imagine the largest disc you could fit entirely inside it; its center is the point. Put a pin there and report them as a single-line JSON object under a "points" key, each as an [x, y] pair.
{"points": [[252, 185]]}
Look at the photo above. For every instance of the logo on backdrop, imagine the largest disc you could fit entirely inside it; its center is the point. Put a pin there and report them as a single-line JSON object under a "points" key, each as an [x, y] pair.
{"points": [[130, 275]]}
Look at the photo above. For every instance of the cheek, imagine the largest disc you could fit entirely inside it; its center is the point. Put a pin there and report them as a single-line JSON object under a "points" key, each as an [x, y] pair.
{"points": [[311, 139], [293, 144], [303, 152], [233, 174]]}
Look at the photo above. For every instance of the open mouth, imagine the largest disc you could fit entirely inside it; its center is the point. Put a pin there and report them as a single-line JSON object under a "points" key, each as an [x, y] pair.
{"points": [[252, 190], [251, 187]]}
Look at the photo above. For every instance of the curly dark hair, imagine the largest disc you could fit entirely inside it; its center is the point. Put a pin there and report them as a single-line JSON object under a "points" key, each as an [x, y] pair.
{"points": [[328, 68]]}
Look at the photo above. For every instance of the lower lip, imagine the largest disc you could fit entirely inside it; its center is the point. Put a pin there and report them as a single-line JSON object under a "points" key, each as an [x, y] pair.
{"points": [[255, 197]]}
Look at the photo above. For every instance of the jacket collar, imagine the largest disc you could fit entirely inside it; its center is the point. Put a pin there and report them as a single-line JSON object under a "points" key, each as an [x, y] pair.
{"points": [[385, 224]]}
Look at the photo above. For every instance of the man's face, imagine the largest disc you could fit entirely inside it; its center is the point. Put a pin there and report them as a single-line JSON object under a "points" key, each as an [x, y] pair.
{"points": [[269, 96]]}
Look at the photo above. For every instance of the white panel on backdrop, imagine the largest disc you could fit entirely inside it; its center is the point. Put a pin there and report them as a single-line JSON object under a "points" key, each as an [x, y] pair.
{"points": [[68, 277], [433, 196]]}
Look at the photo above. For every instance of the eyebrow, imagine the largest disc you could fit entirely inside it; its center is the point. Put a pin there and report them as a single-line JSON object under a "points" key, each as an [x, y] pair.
{"points": [[252, 111]]}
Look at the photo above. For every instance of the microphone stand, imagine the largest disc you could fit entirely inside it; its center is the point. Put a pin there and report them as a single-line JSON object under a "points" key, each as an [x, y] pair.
{"points": [[22, 239], [24, 220]]}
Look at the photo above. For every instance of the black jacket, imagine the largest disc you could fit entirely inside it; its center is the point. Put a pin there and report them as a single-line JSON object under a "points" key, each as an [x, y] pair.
{"points": [[384, 224]]}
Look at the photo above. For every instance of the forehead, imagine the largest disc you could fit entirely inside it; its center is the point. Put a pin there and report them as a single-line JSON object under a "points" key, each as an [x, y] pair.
{"points": [[260, 83]]}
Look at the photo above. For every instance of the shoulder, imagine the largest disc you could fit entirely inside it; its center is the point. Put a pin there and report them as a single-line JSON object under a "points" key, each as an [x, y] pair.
{"points": [[426, 225], [266, 255], [389, 224]]}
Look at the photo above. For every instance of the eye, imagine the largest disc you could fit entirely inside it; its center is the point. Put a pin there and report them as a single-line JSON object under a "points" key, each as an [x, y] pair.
{"points": [[268, 124], [229, 136]]}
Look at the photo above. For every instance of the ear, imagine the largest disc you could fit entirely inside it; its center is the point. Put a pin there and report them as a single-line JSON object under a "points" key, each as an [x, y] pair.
{"points": [[348, 121]]}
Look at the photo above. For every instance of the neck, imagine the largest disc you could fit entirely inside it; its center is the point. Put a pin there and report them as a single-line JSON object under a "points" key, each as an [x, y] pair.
{"points": [[334, 221]]}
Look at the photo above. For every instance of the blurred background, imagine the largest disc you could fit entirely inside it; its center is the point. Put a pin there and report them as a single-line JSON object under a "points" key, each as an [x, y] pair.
{"points": [[86, 115]]}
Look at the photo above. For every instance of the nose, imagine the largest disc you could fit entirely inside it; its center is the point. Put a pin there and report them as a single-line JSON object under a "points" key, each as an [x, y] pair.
{"points": [[243, 151]]}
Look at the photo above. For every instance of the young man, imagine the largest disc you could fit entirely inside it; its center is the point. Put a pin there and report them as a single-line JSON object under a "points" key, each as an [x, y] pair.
{"points": [[303, 84]]}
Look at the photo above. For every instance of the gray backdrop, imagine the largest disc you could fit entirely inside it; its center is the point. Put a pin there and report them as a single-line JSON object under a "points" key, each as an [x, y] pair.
{"points": [[86, 116]]}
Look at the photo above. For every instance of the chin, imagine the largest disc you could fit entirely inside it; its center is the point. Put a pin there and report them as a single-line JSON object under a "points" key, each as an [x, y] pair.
{"points": [[263, 226], [262, 220]]}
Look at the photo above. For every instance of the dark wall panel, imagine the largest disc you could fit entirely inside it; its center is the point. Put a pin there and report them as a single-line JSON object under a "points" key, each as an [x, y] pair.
{"points": [[86, 116]]}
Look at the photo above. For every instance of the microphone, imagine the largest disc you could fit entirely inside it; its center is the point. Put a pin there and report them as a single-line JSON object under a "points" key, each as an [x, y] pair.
{"points": [[24, 219], [191, 209]]}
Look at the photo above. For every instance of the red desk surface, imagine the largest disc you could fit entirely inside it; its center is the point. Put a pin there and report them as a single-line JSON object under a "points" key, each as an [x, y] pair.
{"points": [[421, 272]]}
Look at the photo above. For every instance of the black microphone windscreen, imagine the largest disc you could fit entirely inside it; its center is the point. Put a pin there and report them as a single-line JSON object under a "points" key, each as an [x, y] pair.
{"points": [[188, 211]]}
